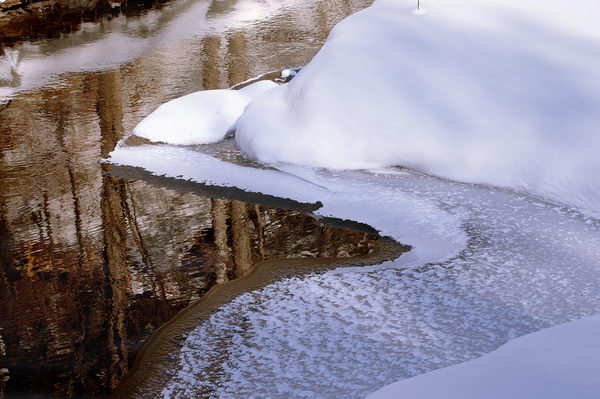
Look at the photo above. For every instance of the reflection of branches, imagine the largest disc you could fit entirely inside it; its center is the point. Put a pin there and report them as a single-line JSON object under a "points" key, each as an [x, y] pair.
{"points": [[14, 60]]}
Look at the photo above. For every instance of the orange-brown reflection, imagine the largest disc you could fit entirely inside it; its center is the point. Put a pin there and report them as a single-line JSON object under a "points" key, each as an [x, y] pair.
{"points": [[77, 308], [40, 19], [91, 264]]}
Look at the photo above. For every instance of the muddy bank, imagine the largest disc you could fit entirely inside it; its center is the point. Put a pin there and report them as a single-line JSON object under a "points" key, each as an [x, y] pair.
{"points": [[152, 369]]}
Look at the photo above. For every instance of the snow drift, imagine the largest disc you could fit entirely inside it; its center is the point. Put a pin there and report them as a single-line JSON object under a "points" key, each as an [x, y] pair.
{"points": [[199, 118], [555, 363], [258, 88], [499, 92]]}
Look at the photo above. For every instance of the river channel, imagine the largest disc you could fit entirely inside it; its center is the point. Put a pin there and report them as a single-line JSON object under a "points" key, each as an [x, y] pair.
{"points": [[94, 261]]}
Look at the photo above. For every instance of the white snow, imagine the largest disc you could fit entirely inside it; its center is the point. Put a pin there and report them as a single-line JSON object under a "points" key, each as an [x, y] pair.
{"points": [[198, 118], [555, 363], [500, 92], [258, 88], [289, 73]]}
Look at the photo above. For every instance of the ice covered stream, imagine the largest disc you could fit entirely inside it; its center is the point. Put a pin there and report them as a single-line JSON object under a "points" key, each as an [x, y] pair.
{"points": [[494, 93], [487, 265]]}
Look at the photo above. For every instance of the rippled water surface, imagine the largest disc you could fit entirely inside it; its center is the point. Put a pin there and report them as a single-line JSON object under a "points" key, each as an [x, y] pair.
{"points": [[91, 262]]}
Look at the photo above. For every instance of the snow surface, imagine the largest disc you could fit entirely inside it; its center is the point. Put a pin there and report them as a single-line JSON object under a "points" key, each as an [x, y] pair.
{"points": [[488, 265], [198, 118], [258, 88], [556, 363], [500, 92]]}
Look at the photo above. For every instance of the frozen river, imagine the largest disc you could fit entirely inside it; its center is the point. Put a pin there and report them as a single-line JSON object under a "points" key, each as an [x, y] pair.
{"points": [[487, 265]]}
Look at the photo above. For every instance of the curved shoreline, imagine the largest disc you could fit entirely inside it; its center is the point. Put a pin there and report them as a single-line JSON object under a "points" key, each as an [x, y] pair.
{"points": [[150, 370]]}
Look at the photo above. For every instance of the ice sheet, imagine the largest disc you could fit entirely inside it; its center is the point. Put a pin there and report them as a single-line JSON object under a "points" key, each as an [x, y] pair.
{"points": [[488, 265]]}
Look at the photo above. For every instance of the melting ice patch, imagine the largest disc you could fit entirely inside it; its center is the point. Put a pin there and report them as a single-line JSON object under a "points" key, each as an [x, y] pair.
{"points": [[434, 232], [526, 265], [488, 265]]}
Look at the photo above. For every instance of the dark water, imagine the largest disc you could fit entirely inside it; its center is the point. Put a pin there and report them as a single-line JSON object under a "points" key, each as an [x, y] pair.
{"points": [[92, 261]]}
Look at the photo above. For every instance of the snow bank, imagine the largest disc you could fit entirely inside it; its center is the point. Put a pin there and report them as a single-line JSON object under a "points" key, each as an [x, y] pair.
{"points": [[556, 363], [500, 92], [198, 118], [258, 88]]}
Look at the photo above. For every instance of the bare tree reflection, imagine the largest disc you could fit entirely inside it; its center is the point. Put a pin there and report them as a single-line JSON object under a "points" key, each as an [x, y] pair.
{"points": [[14, 60]]}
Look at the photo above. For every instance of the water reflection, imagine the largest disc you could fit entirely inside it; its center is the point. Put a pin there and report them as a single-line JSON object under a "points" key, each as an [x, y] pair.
{"points": [[13, 58], [181, 36], [91, 263], [84, 283], [46, 19]]}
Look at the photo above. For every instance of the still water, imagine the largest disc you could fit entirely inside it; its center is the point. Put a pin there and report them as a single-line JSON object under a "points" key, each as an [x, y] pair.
{"points": [[91, 261]]}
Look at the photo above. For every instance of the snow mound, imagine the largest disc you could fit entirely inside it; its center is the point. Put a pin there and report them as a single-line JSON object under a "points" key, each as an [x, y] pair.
{"points": [[258, 88], [556, 363], [498, 92], [198, 118]]}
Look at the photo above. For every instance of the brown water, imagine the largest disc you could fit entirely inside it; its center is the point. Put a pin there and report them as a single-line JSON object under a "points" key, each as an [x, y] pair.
{"points": [[93, 260]]}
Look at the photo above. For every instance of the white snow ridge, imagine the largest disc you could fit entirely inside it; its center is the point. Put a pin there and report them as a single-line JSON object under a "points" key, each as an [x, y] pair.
{"points": [[501, 92]]}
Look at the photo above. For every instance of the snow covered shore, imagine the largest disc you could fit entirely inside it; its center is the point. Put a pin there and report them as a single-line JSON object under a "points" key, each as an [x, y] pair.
{"points": [[500, 92], [198, 118], [555, 363]]}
